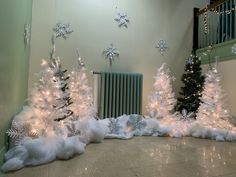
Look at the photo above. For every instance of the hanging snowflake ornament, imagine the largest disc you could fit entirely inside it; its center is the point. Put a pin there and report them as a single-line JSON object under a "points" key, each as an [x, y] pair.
{"points": [[122, 19], [19, 130], [186, 115], [114, 126], [80, 62], [26, 34], [136, 122], [161, 45], [62, 30], [111, 52], [234, 49]]}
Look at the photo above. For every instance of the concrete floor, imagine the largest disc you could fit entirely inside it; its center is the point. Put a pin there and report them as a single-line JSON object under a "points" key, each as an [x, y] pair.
{"points": [[144, 157]]}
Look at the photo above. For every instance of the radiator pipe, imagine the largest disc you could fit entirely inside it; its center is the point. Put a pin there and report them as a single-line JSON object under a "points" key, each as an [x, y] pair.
{"points": [[96, 72]]}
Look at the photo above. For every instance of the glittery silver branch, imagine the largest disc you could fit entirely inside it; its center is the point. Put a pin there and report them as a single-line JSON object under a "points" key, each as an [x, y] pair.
{"points": [[187, 115], [80, 63]]}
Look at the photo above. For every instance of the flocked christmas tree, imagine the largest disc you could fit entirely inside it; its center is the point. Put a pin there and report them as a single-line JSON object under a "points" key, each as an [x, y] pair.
{"points": [[51, 93], [189, 99], [212, 111], [81, 93], [162, 99], [49, 103]]}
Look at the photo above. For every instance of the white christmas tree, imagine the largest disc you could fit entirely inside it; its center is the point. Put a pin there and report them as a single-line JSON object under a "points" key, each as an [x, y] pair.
{"points": [[81, 93], [162, 99], [48, 104], [212, 112]]}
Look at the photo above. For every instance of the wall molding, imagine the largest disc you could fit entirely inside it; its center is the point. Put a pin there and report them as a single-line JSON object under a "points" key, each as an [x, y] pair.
{"points": [[222, 50]]}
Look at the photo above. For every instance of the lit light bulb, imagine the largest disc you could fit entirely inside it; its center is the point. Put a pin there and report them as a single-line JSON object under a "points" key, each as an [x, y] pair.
{"points": [[43, 62]]}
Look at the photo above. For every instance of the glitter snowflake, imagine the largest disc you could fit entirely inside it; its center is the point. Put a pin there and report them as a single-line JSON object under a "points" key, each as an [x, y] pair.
{"points": [[136, 122], [189, 60], [111, 52], [26, 34], [73, 131], [18, 131], [62, 30], [114, 126], [122, 19], [234, 49], [161, 45]]}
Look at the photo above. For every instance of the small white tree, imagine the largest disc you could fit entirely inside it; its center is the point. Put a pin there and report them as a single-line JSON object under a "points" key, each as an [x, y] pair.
{"points": [[162, 99], [83, 106], [48, 105], [212, 111]]}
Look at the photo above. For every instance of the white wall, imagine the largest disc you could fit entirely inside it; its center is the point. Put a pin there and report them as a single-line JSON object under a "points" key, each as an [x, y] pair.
{"points": [[94, 28]]}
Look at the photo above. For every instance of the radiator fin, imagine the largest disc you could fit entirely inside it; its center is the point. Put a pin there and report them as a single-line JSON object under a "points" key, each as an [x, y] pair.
{"points": [[120, 93]]}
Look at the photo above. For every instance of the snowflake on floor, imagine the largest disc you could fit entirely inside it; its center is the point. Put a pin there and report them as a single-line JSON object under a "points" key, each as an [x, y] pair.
{"points": [[111, 52], [18, 131], [234, 49], [161, 45], [73, 131], [122, 19], [62, 30], [136, 122], [26, 34], [114, 126]]}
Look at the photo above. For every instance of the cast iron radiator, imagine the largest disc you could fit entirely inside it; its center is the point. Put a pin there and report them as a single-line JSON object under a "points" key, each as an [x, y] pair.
{"points": [[119, 93]]}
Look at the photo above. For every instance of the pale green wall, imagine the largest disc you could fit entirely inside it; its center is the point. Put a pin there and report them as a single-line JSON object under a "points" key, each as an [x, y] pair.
{"points": [[14, 61], [94, 28]]}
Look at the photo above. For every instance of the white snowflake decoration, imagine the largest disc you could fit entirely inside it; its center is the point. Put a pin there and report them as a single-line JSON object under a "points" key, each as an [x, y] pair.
{"points": [[161, 45], [111, 52], [18, 131], [26, 34], [122, 19], [72, 130], [234, 49], [62, 30], [136, 122], [114, 126]]}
